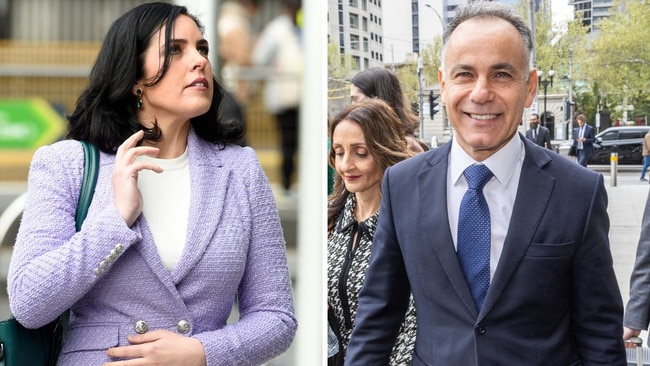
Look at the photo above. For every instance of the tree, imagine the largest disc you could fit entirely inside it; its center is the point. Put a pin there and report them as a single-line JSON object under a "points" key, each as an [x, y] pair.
{"points": [[619, 57], [339, 71], [408, 73]]}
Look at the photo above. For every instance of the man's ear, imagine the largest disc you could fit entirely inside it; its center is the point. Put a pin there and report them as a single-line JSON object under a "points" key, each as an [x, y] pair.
{"points": [[531, 87]]}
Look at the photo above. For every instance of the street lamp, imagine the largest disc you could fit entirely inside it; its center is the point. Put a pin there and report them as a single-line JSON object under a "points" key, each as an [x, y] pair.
{"points": [[545, 82]]}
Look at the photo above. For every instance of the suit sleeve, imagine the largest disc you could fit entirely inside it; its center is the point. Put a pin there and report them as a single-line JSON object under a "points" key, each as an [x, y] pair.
{"points": [[597, 304], [384, 297], [637, 311]]}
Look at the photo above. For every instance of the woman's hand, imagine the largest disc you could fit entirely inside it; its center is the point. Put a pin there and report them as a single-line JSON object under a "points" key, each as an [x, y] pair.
{"points": [[127, 196], [159, 347]]}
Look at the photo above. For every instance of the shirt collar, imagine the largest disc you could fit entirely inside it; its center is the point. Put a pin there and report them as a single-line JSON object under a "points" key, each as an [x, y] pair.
{"points": [[502, 163]]}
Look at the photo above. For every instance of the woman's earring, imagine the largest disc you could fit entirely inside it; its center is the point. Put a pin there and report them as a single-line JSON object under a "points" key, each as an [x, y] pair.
{"points": [[139, 103]]}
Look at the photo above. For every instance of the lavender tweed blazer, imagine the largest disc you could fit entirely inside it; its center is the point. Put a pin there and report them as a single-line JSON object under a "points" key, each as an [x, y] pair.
{"points": [[111, 276]]}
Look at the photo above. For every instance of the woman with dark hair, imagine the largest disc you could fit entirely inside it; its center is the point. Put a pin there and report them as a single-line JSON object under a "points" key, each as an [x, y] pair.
{"points": [[182, 221], [381, 83], [366, 138]]}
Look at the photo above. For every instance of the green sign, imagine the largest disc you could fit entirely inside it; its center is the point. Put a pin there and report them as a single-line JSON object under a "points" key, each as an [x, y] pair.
{"points": [[28, 124]]}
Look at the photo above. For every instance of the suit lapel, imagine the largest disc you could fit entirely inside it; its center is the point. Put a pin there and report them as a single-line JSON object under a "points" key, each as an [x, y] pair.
{"points": [[432, 190], [527, 213], [209, 181]]}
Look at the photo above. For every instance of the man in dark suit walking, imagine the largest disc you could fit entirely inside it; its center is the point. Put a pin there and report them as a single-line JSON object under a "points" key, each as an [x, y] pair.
{"points": [[507, 260], [537, 133], [583, 140]]}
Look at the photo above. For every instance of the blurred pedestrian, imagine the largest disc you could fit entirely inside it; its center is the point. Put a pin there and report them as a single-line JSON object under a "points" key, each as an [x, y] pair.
{"points": [[378, 82], [538, 133], [367, 137], [278, 48], [583, 140], [182, 221], [503, 245], [646, 155], [236, 38]]}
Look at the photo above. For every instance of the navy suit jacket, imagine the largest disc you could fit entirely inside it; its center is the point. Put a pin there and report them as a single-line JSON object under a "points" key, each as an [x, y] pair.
{"points": [[554, 299]]}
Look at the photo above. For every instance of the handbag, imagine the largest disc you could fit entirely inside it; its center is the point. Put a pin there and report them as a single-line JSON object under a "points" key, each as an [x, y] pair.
{"points": [[20, 346], [572, 150]]}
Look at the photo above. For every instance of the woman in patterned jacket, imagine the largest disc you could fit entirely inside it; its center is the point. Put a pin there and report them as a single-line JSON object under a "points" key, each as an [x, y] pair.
{"points": [[367, 138]]}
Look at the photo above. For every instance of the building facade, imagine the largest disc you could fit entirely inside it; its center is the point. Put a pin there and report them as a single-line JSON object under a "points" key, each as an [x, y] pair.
{"points": [[592, 11], [356, 28]]}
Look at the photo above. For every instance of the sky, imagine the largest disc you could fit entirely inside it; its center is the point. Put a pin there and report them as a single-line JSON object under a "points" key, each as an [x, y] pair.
{"points": [[561, 11]]}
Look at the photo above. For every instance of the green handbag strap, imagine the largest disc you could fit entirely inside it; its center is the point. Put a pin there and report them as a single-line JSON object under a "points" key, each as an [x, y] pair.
{"points": [[91, 170]]}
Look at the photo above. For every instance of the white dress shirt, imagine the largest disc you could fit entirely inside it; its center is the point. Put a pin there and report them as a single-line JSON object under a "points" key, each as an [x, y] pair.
{"points": [[500, 192]]}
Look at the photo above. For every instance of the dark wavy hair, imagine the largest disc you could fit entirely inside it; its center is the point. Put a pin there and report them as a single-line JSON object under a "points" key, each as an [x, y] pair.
{"points": [[105, 113], [385, 140], [377, 82]]}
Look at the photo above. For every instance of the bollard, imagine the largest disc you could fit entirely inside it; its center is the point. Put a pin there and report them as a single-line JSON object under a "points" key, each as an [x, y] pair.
{"points": [[639, 350], [613, 159]]}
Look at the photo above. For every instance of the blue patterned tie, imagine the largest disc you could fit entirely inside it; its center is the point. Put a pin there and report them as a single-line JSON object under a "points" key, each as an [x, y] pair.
{"points": [[473, 246]]}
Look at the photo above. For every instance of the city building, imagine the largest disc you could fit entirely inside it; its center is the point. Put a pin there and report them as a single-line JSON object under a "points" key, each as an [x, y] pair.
{"points": [[592, 11], [356, 28]]}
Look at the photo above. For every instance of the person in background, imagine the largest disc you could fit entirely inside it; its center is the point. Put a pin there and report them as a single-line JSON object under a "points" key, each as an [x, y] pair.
{"points": [[583, 140], [478, 230], [367, 137], [637, 309], [182, 221], [646, 155], [381, 83], [279, 49], [537, 133], [236, 39]]}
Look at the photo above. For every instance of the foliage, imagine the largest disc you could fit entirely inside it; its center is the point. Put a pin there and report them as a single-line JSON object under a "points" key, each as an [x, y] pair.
{"points": [[619, 54], [556, 47], [339, 70], [408, 73]]}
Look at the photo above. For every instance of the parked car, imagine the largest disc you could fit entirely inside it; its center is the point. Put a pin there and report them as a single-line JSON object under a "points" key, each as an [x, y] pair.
{"points": [[627, 141]]}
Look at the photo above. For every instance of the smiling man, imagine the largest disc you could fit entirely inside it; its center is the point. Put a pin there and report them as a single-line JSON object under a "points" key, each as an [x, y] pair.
{"points": [[501, 272]]}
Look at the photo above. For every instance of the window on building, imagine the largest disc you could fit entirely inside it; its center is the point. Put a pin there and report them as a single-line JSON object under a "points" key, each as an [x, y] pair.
{"points": [[366, 63], [356, 62], [364, 24], [364, 4], [365, 44], [354, 41], [354, 21], [354, 3]]}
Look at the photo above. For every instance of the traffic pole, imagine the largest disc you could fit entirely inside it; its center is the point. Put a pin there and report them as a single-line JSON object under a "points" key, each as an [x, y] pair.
{"points": [[613, 159]]}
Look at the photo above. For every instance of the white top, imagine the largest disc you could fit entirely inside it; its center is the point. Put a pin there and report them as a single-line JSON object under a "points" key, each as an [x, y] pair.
{"points": [[500, 192], [166, 205]]}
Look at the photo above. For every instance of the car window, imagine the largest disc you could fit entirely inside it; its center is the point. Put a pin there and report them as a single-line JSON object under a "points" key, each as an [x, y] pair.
{"points": [[625, 135], [609, 136]]}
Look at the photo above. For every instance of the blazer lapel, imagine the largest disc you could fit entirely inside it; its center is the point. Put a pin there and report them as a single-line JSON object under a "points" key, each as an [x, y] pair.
{"points": [[527, 212], [209, 181], [432, 190]]}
